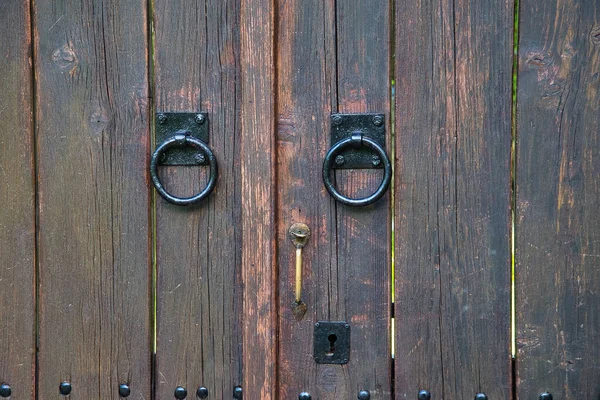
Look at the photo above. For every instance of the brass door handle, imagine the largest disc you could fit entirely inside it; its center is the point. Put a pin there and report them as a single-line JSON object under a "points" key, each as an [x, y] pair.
{"points": [[299, 234]]}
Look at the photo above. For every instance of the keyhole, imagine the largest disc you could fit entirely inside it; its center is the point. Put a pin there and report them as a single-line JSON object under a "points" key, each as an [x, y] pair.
{"points": [[332, 339]]}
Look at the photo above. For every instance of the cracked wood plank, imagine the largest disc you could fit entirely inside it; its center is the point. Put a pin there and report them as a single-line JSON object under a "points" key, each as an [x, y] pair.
{"points": [[558, 192], [333, 56], [17, 214], [92, 156], [258, 198], [452, 200], [198, 247]]}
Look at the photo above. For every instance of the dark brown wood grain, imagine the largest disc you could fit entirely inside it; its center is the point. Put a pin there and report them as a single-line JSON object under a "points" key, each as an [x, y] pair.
{"points": [[17, 197], [452, 200], [558, 192], [198, 248], [258, 198], [92, 157], [332, 57]]}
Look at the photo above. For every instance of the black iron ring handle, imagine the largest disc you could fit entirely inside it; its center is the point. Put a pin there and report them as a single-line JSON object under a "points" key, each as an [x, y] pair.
{"points": [[356, 141], [182, 140]]}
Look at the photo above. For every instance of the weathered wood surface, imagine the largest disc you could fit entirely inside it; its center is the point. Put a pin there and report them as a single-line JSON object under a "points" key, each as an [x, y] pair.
{"points": [[558, 192], [92, 157], [332, 56], [258, 198], [198, 247], [452, 250], [17, 197]]}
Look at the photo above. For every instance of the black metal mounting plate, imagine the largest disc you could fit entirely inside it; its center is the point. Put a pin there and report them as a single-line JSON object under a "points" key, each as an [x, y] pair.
{"points": [[331, 342], [344, 125], [193, 123]]}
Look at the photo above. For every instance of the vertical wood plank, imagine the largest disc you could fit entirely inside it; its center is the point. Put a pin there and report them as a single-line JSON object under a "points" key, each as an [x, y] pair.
{"points": [[258, 199], [558, 192], [17, 196], [92, 147], [452, 200], [332, 56], [198, 248]]}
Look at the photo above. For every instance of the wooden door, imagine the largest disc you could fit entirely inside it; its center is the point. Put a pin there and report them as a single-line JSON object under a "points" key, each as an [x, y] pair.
{"points": [[476, 275]]}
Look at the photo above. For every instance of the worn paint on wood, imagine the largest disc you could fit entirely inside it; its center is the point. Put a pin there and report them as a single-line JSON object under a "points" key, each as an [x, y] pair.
{"points": [[258, 197], [198, 247], [452, 203], [332, 56], [558, 192], [17, 199], [92, 158]]}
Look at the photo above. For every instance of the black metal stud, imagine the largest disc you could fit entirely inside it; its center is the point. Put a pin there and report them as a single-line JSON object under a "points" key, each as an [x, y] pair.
{"points": [[202, 392], [364, 395], [5, 390], [124, 390], [65, 388], [304, 396], [180, 392], [481, 396], [424, 395], [238, 393], [546, 396]]}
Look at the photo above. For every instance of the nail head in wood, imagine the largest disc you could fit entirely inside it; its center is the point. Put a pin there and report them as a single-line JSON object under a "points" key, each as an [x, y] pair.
{"points": [[202, 392], [5, 390], [180, 392], [65, 388], [238, 393], [124, 390]]}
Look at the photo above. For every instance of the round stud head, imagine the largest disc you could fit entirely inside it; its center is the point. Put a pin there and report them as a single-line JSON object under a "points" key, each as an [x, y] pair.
{"points": [[5, 390], [200, 118], [65, 388], [546, 396], [337, 120], [424, 395], [304, 396], [202, 392], [162, 118], [340, 160], [124, 390], [481, 396], [378, 120], [364, 395], [238, 393], [180, 392]]}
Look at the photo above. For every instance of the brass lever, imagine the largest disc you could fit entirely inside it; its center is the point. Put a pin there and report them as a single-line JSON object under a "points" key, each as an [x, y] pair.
{"points": [[299, 234]]}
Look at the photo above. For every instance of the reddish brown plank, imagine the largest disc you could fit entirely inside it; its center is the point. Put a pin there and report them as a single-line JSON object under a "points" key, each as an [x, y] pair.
{"points": [[452, 201], [92, 155], [332, 57], [558, 192], [17, 196], [198, 248], [258, 199]]}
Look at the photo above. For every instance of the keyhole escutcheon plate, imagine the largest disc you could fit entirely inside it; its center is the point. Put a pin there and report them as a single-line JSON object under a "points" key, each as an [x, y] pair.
{"points": [[331, 342]]}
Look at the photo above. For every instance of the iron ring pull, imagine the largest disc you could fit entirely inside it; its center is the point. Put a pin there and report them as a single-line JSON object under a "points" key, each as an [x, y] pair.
{"points": [[182, 140], [356, 141]]}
